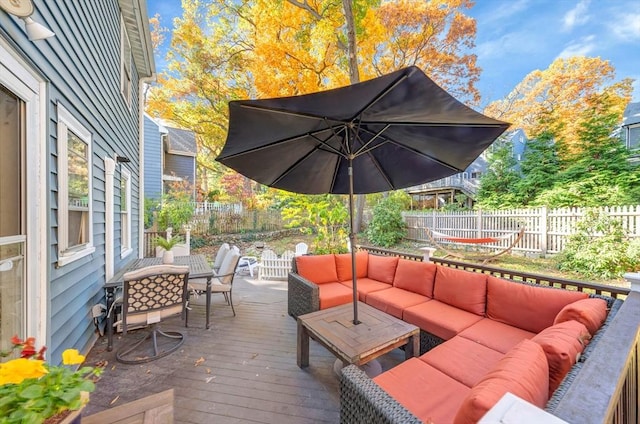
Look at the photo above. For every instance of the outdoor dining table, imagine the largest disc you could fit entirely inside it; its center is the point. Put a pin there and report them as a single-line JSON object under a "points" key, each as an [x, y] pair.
{"points": [[198, 268]]}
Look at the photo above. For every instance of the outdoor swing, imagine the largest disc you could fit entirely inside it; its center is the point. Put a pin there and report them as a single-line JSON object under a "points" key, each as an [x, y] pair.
{"points": [[434, 236]]}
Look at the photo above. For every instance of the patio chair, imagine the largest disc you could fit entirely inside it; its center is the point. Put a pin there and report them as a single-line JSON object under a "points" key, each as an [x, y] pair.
{"points": [[151, 295], [301, 249], [222, 251], [221, 282], [246, 263]]}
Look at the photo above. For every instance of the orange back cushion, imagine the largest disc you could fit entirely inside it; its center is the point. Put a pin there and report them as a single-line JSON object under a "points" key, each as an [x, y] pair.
{"points": [[523, 371], [562, 343], [462, 289], [382, 268], [415, 276], [343, 265], [590, 312], [524, 306], [317, 268]]}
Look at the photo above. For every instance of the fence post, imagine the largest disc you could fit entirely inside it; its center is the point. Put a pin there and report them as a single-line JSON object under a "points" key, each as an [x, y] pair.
{"points": [[544, 230], [479, 224]]}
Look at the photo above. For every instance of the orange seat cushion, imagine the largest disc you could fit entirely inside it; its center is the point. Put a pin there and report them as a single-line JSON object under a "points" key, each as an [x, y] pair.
{"points": [[366, 286], [462, 289], [496, 335], [415, 276], [394, 300], [525, 306], [343, 265], [439, 319], [523, 372], [382, 268], [334, 294], [426, 392], [562, 343], [590, 312], [463, 360], [318, 269]]}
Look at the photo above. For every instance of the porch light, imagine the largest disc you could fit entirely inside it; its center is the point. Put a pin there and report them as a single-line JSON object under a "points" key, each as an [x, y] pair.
{"points": [[24, 9]]}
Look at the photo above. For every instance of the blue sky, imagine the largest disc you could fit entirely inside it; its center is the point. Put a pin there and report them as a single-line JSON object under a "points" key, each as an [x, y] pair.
{"points": [[516, 37]]}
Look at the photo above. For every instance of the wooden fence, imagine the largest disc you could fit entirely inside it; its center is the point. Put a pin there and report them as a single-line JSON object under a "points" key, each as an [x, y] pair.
{"points": [[546, 230], [234, 221]]}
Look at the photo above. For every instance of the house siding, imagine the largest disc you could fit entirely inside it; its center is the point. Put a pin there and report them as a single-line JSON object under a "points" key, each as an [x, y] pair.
{"points": [[82, 67], [152, 159], [180, 166]]}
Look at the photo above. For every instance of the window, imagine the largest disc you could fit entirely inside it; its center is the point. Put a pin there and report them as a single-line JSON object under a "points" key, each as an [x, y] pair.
{"points": [[125, 64], [633, 136], [125, 213], [75, 238]]}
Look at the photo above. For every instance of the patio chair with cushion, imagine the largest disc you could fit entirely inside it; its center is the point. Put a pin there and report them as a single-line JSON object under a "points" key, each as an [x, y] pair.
{"points": [[151, 295], [221, 282], [222, 251]]}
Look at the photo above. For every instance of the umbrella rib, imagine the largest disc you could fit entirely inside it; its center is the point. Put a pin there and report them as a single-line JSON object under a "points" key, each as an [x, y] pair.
{"points": [[287, 112], [435, 124], [383, 93], [364, 149]]}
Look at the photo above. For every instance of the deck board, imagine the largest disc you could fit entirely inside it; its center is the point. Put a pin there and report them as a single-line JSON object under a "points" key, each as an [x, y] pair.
{"points": [[248, 371]]}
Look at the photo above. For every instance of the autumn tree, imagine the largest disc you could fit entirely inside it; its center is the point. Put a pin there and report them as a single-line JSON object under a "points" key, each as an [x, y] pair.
{"points": [[556, 98], [539, 168], [497, 184]]}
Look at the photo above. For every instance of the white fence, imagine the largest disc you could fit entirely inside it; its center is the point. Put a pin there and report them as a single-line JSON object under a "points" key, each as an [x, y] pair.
{"points": [[274, 267], [546, 230]]}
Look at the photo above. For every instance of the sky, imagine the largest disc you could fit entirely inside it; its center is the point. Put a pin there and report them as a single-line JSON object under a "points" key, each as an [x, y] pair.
{"points": [[516, 37]]}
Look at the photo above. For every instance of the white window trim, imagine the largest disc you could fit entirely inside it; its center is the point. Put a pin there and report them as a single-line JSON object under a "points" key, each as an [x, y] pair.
{"points": [[628, 135], [67, 122], [125, 84], [126, 250]]}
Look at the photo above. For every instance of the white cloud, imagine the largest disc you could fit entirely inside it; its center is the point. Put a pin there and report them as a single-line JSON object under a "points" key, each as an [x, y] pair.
{"points": [[504, 11], [576, 16], [626, 27], [579, 48]]}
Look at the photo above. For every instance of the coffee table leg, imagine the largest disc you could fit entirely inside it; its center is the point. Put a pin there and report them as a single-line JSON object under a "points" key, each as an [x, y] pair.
{"points": [[413, 347], [303, 346]]}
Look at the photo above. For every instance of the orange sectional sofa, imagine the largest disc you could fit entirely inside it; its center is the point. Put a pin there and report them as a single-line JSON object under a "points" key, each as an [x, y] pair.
{"points": [[481, 336]]}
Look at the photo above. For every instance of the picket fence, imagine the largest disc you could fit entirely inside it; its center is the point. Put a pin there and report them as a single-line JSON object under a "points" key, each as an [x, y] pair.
{"points": [[546, 230], [231, 221], [274, 267]]}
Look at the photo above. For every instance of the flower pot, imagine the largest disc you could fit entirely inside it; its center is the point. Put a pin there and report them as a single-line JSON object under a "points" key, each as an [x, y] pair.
{"points": [[167, 257]]}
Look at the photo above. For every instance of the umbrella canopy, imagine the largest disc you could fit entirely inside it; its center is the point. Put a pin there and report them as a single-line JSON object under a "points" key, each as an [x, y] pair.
{"points": [[387, 133]]}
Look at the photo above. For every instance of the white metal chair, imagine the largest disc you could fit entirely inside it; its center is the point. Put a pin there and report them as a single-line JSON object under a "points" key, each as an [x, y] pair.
{"points": [[150, 295], [221, 282]]}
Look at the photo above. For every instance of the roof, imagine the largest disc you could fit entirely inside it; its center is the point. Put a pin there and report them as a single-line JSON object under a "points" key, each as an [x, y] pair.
{"points": [[136, 19], [181, 142], [631, 114]]}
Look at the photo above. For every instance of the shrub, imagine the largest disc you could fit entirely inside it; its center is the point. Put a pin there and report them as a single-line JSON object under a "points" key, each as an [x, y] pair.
{"points": [[387, 226], [598, 248]]}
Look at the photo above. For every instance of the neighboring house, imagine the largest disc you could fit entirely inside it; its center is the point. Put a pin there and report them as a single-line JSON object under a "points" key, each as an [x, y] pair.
{"points": [[71, 114], [438, 193], [630, 130], [170, 155]]}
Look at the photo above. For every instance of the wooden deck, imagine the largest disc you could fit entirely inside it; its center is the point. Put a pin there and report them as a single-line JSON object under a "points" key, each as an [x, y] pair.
{"points": [[242, 370]]}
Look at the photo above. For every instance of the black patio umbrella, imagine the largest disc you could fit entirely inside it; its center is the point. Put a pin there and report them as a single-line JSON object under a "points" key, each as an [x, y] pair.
{"points": [[387, 133]]}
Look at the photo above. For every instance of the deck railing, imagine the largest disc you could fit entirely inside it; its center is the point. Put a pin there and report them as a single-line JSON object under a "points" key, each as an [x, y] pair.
{"points": [[607, 388]]}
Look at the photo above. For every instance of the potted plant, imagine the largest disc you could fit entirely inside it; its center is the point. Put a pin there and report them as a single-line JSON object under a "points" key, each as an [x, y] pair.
{"points": [[167, 245], [33, 391]]}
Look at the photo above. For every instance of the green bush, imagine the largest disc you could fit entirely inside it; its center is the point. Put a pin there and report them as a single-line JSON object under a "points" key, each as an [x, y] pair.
{"points": [[599, 248], [387, 227]]}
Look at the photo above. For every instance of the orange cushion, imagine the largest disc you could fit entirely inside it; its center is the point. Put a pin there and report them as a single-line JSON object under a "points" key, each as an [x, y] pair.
{"points": [[415, 276], [382, 268], [394, 300], [439, 319], [318, 269], [523, 371], [366, 286], [562, 343], [343, 265], [591, 312], [462, 289], [525, 306], [463, 360], [496, 335], [427, 393], [334, 294]]}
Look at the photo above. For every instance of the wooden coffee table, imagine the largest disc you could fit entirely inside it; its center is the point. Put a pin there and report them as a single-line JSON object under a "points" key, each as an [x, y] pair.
{"points": [[377, 334]]}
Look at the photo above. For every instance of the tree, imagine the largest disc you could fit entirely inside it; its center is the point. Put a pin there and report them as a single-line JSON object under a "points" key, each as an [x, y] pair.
{"points": [[539, 168], [497, 185], [555, 99]]}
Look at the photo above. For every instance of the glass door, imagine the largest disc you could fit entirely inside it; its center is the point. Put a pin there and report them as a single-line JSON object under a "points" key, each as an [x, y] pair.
{"points": [[12, 228]]}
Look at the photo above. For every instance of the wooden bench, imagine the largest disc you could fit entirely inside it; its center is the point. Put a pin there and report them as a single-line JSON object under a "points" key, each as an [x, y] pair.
{"points": [[154, 409]]}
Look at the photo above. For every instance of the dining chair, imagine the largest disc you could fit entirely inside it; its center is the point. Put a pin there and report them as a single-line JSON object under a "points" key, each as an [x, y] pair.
{"points": [[222, 251], [150, 295], [221, 282]]}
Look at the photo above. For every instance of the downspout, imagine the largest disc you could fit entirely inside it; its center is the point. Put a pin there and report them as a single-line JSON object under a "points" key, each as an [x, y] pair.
{"points": [[141, 107], [109, 243]]}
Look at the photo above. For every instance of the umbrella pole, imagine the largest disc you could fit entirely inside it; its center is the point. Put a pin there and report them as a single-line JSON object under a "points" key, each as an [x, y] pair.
{"points": [[352, 241]]}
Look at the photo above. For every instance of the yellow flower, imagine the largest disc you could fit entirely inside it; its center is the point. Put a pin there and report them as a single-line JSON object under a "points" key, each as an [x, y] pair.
{"points": [[16, 370], [72, 357]]}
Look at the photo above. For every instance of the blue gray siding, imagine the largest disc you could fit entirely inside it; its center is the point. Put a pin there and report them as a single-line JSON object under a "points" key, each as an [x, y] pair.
{"points": [[82, 65], [152, 159], [180, 166]]}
